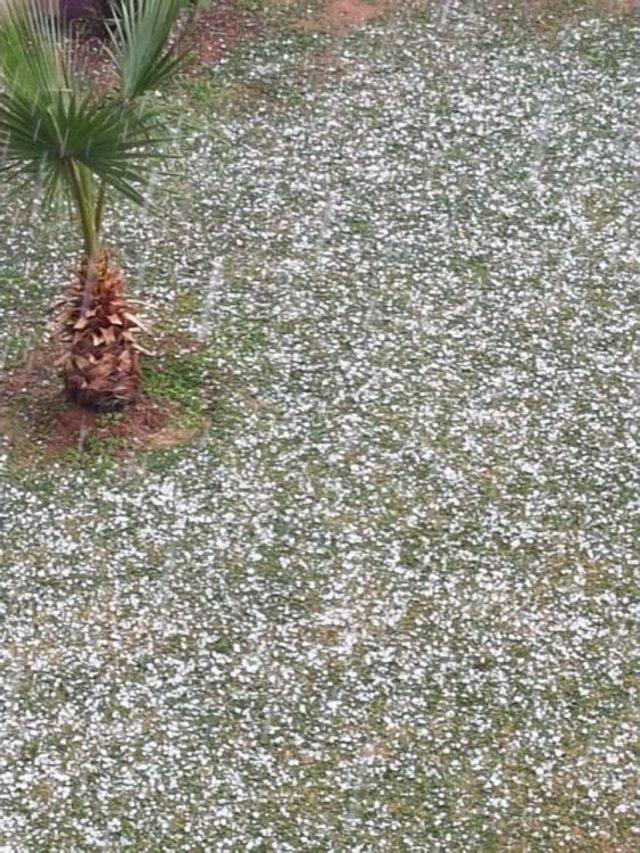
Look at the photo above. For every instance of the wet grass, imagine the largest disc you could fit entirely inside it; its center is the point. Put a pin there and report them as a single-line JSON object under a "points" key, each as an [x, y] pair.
{"points": [[385, 599]]}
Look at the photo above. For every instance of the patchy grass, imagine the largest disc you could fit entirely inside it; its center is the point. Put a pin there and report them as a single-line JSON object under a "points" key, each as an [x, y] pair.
{"points": [[384, 599]]}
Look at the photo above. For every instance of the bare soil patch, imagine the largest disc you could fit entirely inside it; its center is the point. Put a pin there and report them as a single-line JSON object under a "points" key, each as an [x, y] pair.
{"points": [[217, 29], [38, 422], [339, 16], [92, 59]]}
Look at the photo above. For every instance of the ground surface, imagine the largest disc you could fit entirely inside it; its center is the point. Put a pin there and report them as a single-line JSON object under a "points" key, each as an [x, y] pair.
{"points": [[385, 599]]}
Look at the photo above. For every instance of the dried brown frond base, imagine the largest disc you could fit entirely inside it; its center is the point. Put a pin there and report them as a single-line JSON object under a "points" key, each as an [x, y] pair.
{"points": [[96, 329], [38, 423]]}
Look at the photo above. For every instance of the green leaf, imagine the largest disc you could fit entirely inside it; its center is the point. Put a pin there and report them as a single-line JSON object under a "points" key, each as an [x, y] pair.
{"points": [[42, 138], [69, 142], [31, 59], [144, 58]]}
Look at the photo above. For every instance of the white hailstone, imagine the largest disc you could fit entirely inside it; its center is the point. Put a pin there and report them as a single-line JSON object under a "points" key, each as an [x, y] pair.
{"points": [[386, 601]]}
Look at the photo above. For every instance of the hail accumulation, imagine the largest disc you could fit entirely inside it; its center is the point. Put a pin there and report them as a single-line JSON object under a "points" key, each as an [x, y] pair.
{"points": [[386, 602]]}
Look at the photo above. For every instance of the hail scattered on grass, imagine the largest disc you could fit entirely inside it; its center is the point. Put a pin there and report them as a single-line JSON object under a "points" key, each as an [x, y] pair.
{"points": [[387, 601]]}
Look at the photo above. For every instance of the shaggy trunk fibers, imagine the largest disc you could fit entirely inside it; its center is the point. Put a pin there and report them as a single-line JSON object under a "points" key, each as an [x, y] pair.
{"points": [[100, 364]]}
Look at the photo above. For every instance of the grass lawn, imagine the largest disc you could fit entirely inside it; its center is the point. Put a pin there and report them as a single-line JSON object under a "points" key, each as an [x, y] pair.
{"points": [[384, 600]]}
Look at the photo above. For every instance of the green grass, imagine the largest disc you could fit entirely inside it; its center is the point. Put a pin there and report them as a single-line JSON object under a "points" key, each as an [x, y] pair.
{"points": [[383, 600], [177, 379]]}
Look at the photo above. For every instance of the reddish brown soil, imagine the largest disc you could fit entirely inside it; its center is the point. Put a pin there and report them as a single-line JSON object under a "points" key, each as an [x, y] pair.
{"points": [[345, 13], [73, 426], [37, 420], [91, 58], [339, 16], [216, 30]]}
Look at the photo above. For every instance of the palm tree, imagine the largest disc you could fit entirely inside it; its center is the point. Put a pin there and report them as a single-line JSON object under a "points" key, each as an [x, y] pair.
{"points": [[85, 145]]}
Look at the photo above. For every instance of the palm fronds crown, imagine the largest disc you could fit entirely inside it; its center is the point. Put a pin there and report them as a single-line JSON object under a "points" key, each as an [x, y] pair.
{"points": [[78, 142]]}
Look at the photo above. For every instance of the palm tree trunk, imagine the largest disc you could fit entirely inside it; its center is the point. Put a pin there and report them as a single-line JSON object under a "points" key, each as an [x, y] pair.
{"points": [[82, 198], [100, 362]]}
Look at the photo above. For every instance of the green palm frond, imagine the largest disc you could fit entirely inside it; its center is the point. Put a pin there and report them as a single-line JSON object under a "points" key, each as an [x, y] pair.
{"points": [[141, 49], [74, 143], [31, 60], [41, 139]]}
